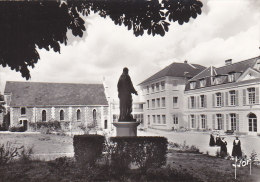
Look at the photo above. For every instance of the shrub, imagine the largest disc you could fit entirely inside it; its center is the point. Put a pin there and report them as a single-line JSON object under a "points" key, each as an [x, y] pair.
{"points": [[88, 148], [141, 151], [17, 129], [51, 125]]}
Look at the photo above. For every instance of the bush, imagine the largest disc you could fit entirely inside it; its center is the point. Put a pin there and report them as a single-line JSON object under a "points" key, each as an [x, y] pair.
{"points": [[88, 148], [17, 129], [51, 125], [141, 151]]}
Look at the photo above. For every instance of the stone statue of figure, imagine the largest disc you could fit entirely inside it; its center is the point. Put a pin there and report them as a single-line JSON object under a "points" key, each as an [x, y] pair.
{"points": [[125, 89]]}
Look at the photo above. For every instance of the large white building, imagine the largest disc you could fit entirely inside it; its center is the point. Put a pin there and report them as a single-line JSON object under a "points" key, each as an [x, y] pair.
{"points": [[163, 94], [225, 98], [199, 98]]}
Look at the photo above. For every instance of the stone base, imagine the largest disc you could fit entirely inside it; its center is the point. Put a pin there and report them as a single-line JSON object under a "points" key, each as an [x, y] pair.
{"points": [[126, 128]]}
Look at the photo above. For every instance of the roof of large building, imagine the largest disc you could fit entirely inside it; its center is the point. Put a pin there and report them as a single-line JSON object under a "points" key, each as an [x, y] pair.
{"points": [[177, 70], [235, 67], [54, 94]]}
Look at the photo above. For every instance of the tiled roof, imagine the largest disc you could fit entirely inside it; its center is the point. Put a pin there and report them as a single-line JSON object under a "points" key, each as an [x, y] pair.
{"points": [[177, 70], [235, 67], [54, 94], [238, 68]]}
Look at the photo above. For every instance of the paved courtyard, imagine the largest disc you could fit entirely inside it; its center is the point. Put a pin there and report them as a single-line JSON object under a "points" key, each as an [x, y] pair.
{"points": [[201, 140]]}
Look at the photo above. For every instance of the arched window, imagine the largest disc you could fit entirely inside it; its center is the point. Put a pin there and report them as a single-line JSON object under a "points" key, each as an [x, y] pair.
{"points": [[94, 115], [78, 115], [61, 115], [43, 115]]}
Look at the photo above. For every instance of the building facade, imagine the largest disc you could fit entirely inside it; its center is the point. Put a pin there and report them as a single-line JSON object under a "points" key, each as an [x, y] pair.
{"points": [[31, 102], [225, 98], [163, 95]]}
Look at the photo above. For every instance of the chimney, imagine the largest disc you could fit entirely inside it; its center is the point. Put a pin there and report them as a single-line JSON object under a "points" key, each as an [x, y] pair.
{"points": [[228, 62], [185, 61]]}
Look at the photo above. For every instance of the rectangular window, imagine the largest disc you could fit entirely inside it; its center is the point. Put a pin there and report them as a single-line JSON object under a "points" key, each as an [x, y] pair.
{"points": [[192, 102], [233, 121], [202, 83], [147, 89], [158, 119], [232, 96], [202, 101], [175, 102], [153, 103], [231, 77], [163, 85], [157, 87], [152, 87], [148, 119], [163, 102], [203, 121], [153, 118], [192, 120], [192, 85], [163, 119], [251, 95], [219, 121], [23, 111], [148, 104], [219, 99], [158, 102], [175, 119]]}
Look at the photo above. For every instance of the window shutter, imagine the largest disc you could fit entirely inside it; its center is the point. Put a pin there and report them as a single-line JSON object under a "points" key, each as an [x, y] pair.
{"points": [[227, 119], [222, 121], [189, 102], [189, 123], [237, 103], [237, 120], [195, 102], [198, 99], [226, 104], [205, 101], [213, 100], [206, 122], [257, 95], [244, 96], [213, 122], [222, 99], [195, 121], [198, 121]]}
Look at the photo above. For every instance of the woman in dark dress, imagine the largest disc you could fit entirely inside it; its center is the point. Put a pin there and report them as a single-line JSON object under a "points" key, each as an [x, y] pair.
{"points": [[212, 141], [237, 152], [223, 147], [218, 140]]}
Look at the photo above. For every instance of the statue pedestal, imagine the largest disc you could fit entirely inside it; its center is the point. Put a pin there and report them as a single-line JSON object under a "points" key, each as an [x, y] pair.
{"points": [[126, 128]]}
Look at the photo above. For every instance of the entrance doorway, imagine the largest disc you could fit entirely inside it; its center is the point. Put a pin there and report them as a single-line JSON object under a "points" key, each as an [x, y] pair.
{"points": [[252, 122], [105, 124], [25, 125]]}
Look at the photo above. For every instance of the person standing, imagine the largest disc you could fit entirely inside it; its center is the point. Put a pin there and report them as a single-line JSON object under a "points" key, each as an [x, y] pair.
{"points": [[236, 151], [212, 141], [218, 140], [223, 147]]}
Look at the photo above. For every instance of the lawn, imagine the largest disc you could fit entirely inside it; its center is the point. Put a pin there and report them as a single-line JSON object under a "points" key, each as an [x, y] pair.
{"points": [[45, 147], [186, 165]]}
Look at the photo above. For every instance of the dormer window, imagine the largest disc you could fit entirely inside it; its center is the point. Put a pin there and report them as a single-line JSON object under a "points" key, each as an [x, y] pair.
{"points": [[202, 83], [152, 87], [192, 85], [231, 77], [213, 80]]}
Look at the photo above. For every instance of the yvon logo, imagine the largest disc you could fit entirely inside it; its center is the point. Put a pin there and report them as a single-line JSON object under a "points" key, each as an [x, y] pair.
{"points": [[242, 162]]}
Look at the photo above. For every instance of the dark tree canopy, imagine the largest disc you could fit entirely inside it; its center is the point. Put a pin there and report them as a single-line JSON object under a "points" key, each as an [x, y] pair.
{"points": [[26, 26]]}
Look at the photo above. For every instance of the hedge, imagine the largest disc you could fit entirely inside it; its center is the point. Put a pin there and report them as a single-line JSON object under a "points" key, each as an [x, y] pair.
{"points": [[17, 129], [144, 152], [88, 148], [51, 125]]}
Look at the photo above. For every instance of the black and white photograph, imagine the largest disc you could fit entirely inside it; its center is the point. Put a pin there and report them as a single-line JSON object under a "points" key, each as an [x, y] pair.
{"points": [[130, 90]]}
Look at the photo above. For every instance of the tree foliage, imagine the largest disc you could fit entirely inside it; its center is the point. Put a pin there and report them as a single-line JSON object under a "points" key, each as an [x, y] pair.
{"points": [[26, 26]]}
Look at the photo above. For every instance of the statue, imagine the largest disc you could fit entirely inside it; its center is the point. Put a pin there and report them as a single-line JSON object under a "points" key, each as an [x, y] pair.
{"points": [[125, 89]]}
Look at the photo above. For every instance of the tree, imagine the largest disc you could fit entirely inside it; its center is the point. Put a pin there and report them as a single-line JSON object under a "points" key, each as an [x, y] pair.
{"points": [[26, 26]]}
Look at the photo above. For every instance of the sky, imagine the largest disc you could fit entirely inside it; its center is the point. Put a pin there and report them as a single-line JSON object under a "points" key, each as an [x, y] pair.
{"points": [[226, 29]]}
